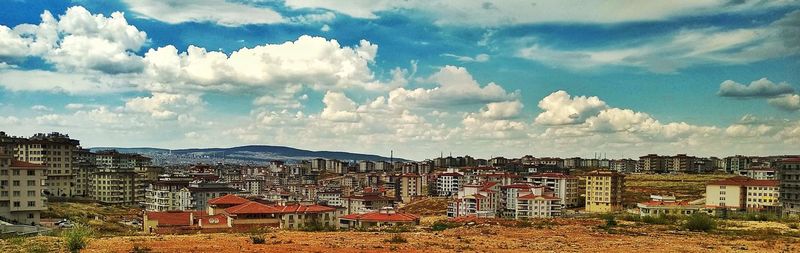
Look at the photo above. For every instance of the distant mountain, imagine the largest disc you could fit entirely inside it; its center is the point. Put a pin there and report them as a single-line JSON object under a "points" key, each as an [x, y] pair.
{"points": [[249, 153]]}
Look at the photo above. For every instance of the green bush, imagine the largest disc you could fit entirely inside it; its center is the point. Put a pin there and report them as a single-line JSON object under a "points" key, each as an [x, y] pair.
{"points": [[441, 225], [700, 222], [611, 221], [258, 239], [396, 238], [77, 237]]}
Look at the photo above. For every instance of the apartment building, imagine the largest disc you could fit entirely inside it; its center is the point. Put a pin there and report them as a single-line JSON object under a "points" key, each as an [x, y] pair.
{"points": [[57, 153], [742, 193], [564, 187], [479, 200], [21, 187], [789, 176], [537, 206], [652, 163], [448, 183], [364, 202], [409, 186], [116, 179], [604, 191]]}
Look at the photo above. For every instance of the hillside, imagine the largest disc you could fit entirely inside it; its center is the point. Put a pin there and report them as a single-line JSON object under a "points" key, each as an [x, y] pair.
{"points": [[253, 153]]}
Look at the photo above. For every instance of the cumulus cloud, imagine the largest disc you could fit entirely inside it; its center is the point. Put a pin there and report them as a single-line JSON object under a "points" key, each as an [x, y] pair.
{"points": [[312, 61], [338, 108], [757, 89], [226, 13], [80, 41], [455, 87], [789, 102], [562, 109], [59, 82], [164, 106]]}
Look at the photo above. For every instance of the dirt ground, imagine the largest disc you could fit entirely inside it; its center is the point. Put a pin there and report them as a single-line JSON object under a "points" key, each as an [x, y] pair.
{"points": [[562, 236]]}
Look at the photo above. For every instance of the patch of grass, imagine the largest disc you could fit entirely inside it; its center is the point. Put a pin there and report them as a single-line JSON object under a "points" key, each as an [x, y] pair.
{"points": [[396, 238], [700, 222], [77, 237]]}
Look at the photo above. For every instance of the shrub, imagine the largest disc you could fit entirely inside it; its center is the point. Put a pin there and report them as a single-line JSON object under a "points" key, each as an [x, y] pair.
{"points": [[611, 221], [140, 249], [396, 238], [794, 225], [700, 222], [76, 237], [258, 239], [441, 225]]}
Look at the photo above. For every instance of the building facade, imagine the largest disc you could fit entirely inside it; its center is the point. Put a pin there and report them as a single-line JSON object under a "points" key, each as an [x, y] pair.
{"points": [[789, 177], [604, 191]]}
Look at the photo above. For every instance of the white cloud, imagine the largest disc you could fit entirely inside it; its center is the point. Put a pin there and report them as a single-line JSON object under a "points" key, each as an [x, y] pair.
{"points": [[226, 13], [8, 120], [757, 89], [70, 83], [41, 108], [325, 28], [477, 58], [788, 102], [311, 61], [338, 108], [740, 130], [11, 44], [499, 13], [685, 48], [164, 106], [455, 87], [502, 110], [562, 109]]}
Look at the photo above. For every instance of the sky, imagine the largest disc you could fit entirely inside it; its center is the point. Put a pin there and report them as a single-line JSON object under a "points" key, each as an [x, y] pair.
{"points": [[420, 78]]}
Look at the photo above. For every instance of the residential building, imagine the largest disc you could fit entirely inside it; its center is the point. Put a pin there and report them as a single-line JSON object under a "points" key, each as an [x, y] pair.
{"points": [[409, 186], [116, 178], [667, 205], [537, 206], [652, 163], [21, 187], [564, 187], [762, 173], [733, 164], [604, 191], [57, 153], [742, 193], [449, 182], [789, 176], [364, 202], [381, 218], [479, 200], [509, 195]]}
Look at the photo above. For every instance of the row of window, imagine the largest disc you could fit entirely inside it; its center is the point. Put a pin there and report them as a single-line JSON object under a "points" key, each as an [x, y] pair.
{"points": [[17, 204], [4, 172], [17, 193]]}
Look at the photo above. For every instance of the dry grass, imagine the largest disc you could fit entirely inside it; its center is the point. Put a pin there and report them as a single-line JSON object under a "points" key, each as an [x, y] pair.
{"points": [[639, 187]]}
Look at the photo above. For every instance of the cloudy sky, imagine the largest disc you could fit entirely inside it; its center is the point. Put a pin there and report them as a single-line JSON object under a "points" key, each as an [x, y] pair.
{"points": [[547, 78]]}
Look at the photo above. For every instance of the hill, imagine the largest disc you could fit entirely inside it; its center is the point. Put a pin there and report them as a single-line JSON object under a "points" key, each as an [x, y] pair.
{"points": [[251, 153]]}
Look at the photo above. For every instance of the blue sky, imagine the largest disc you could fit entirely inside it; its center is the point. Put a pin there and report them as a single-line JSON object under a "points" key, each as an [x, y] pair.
{"points": [[510, 78]]}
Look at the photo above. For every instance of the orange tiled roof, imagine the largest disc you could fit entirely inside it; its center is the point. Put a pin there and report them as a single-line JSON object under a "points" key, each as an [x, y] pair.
{"points": [[382, 217], [744, 181], [229, 199], [258, 208], [171, 218], [23, 164]]}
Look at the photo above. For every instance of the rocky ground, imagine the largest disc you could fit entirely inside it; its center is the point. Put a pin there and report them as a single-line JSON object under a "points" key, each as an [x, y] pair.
{"points": [[563, 235]]}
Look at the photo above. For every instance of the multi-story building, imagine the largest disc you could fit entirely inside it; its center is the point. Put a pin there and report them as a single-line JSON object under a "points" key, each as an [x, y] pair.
{"points": [[21, 187], [409, 186], [652, 163], [789, 176], [623, 165], [764, 173], [57, 153], [565, 187], [366, 166], [448, 183], [169, 194], [680, 163], [733, 164], [116, 179], [479, 200], [364, 202], [604, 191], [742, 193], [537, 206]]}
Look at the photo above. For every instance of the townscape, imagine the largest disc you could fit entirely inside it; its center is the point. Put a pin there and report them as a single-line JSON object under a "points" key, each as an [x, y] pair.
{"points": [[47, 170]]}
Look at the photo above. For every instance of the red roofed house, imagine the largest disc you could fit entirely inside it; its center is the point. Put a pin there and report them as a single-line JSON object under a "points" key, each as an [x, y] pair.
{"points": [[219, 203], [383, 217], [364, 202], [565, 187], [153, 221], [742, 193], [663, 205]]}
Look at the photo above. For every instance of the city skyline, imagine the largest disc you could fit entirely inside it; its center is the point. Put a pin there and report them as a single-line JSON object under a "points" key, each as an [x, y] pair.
{"points": [[509, 78]]}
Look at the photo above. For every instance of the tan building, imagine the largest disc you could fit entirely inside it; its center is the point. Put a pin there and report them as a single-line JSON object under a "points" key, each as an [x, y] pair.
{"points": [[604, 191], [409, 186], [118, 178], [742, 193], [21, 186], [56, 152]]}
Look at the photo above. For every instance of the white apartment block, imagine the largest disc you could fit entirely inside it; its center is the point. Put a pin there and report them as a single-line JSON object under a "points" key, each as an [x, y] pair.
{"points": [[742, 193], [537, 206], [565, 187], [56, 152], [21, 187], [448, 183], [479, 200]]}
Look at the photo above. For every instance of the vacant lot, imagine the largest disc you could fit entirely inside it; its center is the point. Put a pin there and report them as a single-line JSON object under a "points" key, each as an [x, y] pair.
{"points": [[558, 235], [639, 187]]}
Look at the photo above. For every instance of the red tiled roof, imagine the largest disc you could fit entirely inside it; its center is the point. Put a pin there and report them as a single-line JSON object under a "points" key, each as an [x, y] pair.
{"points": [[654, 203], [171, 218], [370, 197], [382, 217], [258, 208], [520, 186], [23, 164], [452, 174], [532, 196], [229, 199], [307, 209], [744, 181]]}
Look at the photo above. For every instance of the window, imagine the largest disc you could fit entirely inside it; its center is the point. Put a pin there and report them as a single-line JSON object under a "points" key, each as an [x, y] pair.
{"points": [[31, 173], [31, 182], [16, 203], [15, 183], [31, 203], [16, 172], [16, 193], [31, 193]]}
